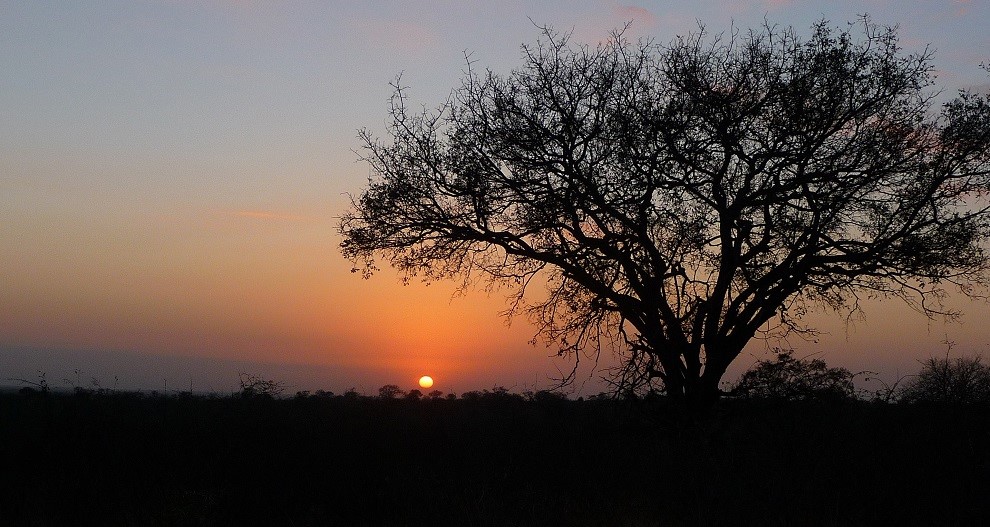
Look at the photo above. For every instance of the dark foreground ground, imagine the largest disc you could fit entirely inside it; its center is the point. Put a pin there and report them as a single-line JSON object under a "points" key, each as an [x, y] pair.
{"points": [[127, 459]]}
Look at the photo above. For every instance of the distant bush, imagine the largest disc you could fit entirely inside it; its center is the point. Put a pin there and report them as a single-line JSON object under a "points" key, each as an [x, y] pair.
{"points": [[41, 386], [254, 386], [788, 378], [497, 393], [544, 396], [390, 391], [472, 395], [958, 380]]}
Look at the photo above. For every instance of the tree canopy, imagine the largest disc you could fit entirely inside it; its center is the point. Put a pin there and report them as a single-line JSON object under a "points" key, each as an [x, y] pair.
{"points": [[680, 199], [962, 380], [789, 378]]}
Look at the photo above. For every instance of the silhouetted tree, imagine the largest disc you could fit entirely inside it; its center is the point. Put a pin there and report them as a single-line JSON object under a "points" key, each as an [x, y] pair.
{"points": [[788, 378], [255, 386], [959, 380], [390, 391], [679, 200]]}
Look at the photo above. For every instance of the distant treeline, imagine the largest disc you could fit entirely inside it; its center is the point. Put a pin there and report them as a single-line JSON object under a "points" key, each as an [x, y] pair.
{"points": [[964, 380], [487, 458]]}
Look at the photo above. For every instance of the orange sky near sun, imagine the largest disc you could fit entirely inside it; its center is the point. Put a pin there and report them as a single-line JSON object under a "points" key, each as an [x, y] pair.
{"points": [[247, 286]]}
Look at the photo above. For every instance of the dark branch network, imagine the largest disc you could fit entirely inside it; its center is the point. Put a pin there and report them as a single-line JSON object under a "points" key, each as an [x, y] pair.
{"points": [[679, 200]]}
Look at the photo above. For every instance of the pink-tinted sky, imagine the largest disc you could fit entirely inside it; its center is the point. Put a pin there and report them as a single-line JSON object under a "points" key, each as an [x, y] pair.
{"points": [[171, 171]]}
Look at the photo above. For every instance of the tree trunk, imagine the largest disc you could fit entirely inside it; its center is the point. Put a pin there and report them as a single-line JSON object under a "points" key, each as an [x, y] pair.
{"points": [[697, 392], [675, 386]]}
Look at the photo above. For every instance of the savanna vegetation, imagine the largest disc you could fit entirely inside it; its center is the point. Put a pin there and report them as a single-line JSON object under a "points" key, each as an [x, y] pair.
{"points": [[793, 444]]}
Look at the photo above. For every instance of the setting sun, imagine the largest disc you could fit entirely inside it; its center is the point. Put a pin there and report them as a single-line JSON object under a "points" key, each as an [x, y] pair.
{"points": [[425, 381]]}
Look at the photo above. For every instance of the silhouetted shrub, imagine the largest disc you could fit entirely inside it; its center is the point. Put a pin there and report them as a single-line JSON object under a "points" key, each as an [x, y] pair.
{"points": [[40, 386], [413, 395], [959, 380], [28, 391], [544, 396], [389, 391], [254, 386], [496, 394], [472, 395], [788, 378]]}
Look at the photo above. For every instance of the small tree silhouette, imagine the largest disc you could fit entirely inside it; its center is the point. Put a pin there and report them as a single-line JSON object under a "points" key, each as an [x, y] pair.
{"points": [[390, 391], [945, 380], [788, 378], [254, 386]]}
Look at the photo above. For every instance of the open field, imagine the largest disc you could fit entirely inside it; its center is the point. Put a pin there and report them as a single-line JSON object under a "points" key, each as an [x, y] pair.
{"points": [[131, 459]]}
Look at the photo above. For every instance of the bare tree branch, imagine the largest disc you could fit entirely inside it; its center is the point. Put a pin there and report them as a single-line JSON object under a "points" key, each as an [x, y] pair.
{"points": [[679, 200]]}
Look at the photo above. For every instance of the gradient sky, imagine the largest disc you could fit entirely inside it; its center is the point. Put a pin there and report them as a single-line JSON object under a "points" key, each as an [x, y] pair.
{"points": [[171, 171]]}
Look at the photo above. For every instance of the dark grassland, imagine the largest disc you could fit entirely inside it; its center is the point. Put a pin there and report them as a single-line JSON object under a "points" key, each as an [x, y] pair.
{"points": [[145, 460]]}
